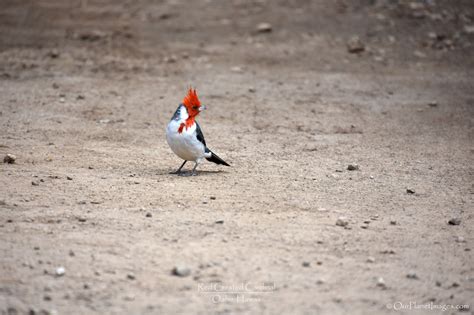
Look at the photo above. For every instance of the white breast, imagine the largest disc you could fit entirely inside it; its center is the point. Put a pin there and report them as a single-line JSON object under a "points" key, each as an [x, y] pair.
{"points": [[184, 144]]}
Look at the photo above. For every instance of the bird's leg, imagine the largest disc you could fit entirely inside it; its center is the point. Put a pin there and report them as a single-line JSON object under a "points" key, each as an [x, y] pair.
{"points": [[192, 173], [179, 169]]}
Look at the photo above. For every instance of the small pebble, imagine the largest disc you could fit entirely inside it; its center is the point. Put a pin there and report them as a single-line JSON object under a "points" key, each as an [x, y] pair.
{"points": [[60, 271], [35, 183], [9, 159], [342, 221], [454, 221], [264, 28], [148, 215], [171, 59], [68, 177], [355, 45], [219, 222], [393, 222], [54, 53], [412, 275], [181, 271], [410, 191], [131, 276], [305, 264], [353, 167], [370, 259], [381, 283]]}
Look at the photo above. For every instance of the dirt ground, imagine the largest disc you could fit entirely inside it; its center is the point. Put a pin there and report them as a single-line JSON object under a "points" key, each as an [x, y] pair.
{"points": [[91, 221]]}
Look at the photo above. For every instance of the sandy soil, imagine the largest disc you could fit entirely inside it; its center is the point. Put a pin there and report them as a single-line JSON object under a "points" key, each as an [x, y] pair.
{"points": [[87, 88]]}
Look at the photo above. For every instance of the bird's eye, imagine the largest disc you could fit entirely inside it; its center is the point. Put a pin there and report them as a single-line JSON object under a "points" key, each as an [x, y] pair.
{"points": [[195, 107]]}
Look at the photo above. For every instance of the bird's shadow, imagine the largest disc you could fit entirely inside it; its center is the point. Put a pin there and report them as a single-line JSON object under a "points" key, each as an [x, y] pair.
{"points": [[169, 172]]}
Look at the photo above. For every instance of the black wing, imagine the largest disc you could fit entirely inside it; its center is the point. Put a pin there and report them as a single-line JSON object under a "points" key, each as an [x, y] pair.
{"points": [[213, 158], [200, 136]]}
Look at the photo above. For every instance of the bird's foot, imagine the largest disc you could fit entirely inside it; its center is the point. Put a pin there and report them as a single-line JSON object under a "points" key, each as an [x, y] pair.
{"points": [[175, 172]]}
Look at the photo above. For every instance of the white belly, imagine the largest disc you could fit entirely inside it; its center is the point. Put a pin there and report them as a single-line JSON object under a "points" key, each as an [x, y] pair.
{"points": [[184, 144]]}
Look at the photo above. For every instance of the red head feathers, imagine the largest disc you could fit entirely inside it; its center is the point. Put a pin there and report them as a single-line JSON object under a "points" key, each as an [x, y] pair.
{"points": [[193, 107], [192, 103]]}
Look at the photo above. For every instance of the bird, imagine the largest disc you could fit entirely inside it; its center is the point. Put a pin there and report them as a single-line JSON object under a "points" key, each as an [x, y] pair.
{"points": [[185, 137]]}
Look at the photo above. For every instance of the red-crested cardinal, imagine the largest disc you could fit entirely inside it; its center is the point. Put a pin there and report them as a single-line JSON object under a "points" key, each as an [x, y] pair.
{"points": [[185, 137]]}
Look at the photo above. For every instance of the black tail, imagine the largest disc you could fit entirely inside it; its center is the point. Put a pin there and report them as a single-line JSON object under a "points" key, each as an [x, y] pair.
{"points": [[214, 158]]}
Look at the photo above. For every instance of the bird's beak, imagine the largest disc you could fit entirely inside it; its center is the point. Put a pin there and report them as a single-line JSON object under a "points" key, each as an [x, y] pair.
{"points": [[201, 108]]}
